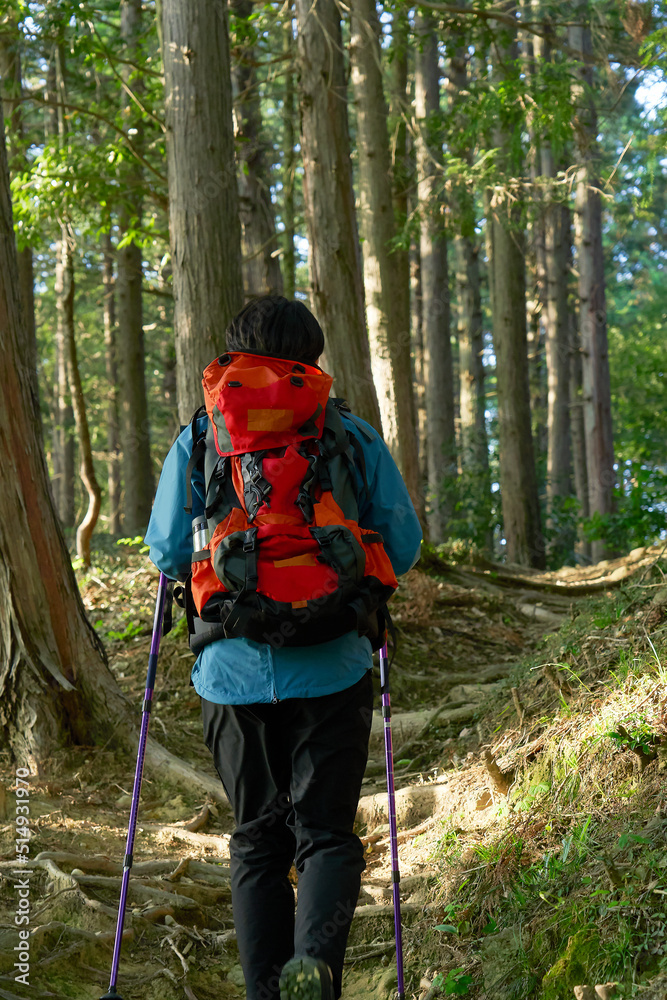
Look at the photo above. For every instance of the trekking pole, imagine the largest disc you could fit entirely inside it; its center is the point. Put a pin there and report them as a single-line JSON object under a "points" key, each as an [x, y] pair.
{"points": [[162, 589], [393, 836]]}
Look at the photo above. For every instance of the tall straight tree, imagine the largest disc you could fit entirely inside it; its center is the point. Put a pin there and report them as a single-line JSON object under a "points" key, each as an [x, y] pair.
{"points": [[289, 160], [435, 307], [592, 299], [63, 422], [518, 480], [134, 428], [111, 365], [203, 198], [259, 241], [335, 258], [11, 93], [388, 326], [474, 444], [556, 317]]}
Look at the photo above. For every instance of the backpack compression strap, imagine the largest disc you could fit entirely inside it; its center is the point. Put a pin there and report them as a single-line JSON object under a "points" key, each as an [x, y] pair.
{"points": [[197, 456]]}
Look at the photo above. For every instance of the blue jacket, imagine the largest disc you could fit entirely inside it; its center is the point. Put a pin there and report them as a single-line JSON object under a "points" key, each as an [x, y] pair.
{"points": [[243, 672]]}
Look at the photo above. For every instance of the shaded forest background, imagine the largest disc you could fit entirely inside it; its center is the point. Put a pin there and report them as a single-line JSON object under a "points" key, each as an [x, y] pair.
{"points": [[471, 199]]}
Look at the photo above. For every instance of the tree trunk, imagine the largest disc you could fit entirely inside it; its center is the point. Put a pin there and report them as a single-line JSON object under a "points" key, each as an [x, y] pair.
{"points": [[335, 259], [134, 425], [55, 686], [592, 301], [63, 433], [86, 468], [289, 162], [556, 321], [11, 91], [203, 197], [388, 326], [557, 339], [418, 371], [438, 369], [259, 240], [518, 481], [402, 167], [110, 354], [579, 469], [535, 294], [474, 444]]}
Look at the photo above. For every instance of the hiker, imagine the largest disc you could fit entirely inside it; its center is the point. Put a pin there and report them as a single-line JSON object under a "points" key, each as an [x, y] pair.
{"points": [[287, 724]]}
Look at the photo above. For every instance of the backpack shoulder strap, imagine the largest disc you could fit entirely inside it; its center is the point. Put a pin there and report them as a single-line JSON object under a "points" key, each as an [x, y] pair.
{"points": [[347, 443], [197, 456]]}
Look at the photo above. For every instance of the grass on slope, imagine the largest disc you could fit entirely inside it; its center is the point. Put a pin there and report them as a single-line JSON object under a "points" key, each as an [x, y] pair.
{"points": [[569, 886]]}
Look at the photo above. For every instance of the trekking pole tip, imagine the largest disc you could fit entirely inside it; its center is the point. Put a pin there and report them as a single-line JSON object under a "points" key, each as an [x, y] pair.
{"points": [[112, 994]]}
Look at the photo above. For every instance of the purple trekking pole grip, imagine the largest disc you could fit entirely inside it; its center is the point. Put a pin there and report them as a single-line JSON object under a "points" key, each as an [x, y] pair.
{"points": [[393, 834], [163, 585]]}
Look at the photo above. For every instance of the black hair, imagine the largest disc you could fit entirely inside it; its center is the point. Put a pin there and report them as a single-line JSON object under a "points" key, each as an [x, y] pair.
{"points": [[278, 327]]}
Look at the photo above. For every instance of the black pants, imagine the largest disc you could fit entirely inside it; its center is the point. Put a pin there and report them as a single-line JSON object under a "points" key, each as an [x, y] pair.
{"points": [[292, 773]]}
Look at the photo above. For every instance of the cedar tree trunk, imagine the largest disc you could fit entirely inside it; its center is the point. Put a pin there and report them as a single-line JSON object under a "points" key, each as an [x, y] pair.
{"points": [[259, 240], [592, 301], [518, 480], [134, 426], [203, 197], [110, 356], [385, 282], [435, 310], [335, 258]]}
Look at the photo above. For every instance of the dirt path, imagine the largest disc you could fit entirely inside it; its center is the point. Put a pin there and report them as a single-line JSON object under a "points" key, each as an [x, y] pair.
{"points": [[461, 634]]}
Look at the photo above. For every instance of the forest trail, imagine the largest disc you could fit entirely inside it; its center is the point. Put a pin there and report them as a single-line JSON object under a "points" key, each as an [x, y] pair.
{"points": [[471, 718]]}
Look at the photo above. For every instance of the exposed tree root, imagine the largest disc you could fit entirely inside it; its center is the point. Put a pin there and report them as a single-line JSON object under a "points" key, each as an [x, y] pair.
{"points": [[214, 842], [166, 765]]}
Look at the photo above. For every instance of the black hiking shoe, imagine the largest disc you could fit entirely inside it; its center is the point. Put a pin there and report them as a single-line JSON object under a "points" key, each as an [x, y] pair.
{"points": [[306, 979]]}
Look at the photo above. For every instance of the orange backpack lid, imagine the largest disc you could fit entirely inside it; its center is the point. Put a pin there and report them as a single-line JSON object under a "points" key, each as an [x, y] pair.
{"points": [[256, 402]]}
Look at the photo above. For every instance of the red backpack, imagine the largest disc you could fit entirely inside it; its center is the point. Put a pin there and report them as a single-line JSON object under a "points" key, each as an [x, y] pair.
{"points": [[286, 562]]}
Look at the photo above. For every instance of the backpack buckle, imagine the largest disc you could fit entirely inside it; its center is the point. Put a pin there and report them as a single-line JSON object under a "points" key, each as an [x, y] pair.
{"points": [[250, 540]]}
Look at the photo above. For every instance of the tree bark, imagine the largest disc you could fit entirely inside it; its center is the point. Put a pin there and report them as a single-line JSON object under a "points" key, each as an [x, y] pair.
{"points": [[592, 300], [63, 431], [438, 368], [418, 371], [580, 471], [11, 92], [111, 363], [474, 444], [335, 258], [86, 468], [259, 240], [289, 161], [203, 197], [134, 424], [557, 339], [556, 319], [388, 326], [518, 481]]}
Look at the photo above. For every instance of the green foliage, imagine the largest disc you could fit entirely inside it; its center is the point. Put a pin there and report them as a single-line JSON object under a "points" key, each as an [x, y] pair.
{"points": [[456, 983], [641, 515], [636, 735]]}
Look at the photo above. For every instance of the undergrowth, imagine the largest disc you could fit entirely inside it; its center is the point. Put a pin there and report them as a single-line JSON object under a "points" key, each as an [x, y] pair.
{"points": [[569, 887]]}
